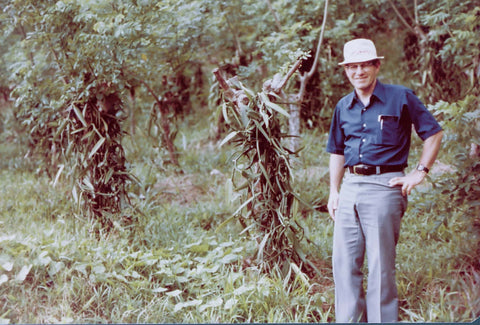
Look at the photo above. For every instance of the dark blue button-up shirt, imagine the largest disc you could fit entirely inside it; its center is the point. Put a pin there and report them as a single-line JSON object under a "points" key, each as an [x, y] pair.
{"points": [[380, 133]]}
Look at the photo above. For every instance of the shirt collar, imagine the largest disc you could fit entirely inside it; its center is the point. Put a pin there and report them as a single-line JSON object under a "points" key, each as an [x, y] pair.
{"points": [[378, 92]]}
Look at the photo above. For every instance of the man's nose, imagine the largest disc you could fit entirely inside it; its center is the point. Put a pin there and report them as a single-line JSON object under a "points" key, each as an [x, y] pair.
{"points": [[360, 68]]}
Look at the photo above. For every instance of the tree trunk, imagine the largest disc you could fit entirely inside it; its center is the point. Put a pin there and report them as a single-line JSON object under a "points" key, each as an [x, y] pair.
{"points": [[294, 126]]}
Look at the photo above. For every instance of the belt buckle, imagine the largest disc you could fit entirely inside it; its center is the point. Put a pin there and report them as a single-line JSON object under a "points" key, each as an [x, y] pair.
{"points": [[359, 170], [363, 170]]}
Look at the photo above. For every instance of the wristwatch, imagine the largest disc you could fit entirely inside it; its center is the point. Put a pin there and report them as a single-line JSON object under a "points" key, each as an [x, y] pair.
{"points": [[423, 168]]}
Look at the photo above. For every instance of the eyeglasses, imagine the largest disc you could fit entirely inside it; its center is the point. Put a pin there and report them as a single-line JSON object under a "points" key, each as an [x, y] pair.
{"points": [[363, 66]]}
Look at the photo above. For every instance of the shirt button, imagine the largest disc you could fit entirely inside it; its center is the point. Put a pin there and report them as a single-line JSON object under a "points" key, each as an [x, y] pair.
{"points": [[360, 155], [363, 140], [364, 125]]}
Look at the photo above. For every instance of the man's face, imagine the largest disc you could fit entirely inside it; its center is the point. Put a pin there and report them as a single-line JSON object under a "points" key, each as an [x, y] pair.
{"points": [[362, 75]]}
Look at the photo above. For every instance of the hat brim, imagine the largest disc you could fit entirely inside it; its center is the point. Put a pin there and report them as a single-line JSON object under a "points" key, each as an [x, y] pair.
{"points": [[361, 60]]}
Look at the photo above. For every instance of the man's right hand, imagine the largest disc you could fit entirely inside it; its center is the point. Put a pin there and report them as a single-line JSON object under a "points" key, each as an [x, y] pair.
{"points": [[337, 170], [333, 204]]}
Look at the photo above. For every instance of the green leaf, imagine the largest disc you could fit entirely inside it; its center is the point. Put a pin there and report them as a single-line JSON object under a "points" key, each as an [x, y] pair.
{"points": [[89, 184], [109, 175], [200, 248], [6, 264], [265, 118], [224, 223], [79, 115], [174, 293], [230, 303], [44, 259], [261, 247], [244, 204], [159, 290], [228, 138], [3, 279], [60, 169], [243, 289], [273, 106], [61, 128], [22, 275], [96, 147], [185, 304], [229, 258], [55, 268], [217, 302], [300, 274], [225, 113], [250, 94]]}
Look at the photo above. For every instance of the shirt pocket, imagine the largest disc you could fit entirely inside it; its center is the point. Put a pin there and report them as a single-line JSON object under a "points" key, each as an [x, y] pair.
{"points": [[388, 132]]}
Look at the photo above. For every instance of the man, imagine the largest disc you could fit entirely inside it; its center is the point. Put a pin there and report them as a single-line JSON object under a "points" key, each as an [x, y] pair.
{"points": [[369, 142]]}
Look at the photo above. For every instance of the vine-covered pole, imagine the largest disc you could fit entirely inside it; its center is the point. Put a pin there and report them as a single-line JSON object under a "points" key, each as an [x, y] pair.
{"points": [[269, 207]]}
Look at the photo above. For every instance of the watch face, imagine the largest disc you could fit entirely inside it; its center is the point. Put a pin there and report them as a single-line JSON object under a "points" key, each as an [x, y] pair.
{"points": [[422, 168]]}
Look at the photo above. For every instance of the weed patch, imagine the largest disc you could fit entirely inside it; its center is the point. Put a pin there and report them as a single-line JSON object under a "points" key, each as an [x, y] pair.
{"points": [[167, 260]]}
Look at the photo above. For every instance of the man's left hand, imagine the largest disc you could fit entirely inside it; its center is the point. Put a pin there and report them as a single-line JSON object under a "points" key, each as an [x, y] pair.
{"points": [[408, 182]]}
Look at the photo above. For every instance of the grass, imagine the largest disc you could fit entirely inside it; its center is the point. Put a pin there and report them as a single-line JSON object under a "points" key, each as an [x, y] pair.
{"points": [[165, 261]]}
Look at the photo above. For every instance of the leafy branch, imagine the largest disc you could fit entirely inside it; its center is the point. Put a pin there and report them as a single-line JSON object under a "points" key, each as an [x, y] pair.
{"points": [[415, 29]]}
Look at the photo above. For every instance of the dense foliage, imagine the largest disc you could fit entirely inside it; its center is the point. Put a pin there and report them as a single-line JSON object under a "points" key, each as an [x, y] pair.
{"points": [[115, 108]]}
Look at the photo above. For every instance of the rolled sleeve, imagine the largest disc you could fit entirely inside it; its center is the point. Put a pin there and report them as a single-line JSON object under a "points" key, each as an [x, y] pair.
{"points": [[336, 138], [423, 121]]}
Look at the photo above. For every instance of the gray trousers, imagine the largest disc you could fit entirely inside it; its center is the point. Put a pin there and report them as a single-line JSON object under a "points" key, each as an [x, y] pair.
{"points": [[367, 221]]}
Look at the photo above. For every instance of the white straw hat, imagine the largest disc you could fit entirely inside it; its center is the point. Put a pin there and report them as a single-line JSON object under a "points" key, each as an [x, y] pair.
{"points": [[359, 50]]}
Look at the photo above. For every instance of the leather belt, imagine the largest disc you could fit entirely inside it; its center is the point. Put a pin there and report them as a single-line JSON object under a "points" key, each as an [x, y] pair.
{"points": [[374, 170]]}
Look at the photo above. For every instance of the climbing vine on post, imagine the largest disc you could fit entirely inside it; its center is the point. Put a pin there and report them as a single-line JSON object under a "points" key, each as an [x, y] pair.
{"points": [[263, 160], [94, 134]]}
